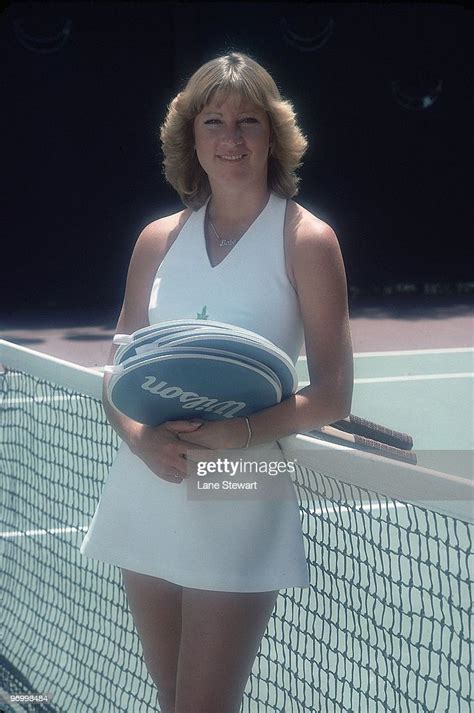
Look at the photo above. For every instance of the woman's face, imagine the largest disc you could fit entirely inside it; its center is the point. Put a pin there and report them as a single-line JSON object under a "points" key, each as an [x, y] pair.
{"points": [[232, 139]]}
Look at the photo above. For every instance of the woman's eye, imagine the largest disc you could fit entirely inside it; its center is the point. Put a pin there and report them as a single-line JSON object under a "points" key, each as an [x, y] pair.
{"points": [[247, 118]]}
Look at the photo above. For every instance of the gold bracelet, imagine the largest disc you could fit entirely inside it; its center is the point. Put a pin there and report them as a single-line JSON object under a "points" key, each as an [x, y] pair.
{"points": [[249, 429]]}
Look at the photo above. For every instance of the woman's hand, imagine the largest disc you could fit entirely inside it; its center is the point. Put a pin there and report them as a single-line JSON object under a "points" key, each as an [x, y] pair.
{"points": [[161, 449], [216, 435]]}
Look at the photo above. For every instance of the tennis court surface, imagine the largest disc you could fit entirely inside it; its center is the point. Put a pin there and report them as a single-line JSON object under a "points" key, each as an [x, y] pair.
{"points": [[385, 625]]}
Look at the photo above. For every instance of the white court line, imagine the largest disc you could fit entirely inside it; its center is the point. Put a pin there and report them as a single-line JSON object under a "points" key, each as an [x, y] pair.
{"points": [[41, 400], [313, 511], [415, 377], [53, 531], [409, 352], [415, 352], [372, 506]]}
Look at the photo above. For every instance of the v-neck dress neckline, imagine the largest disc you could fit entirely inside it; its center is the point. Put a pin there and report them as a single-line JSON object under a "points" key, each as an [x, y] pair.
{"points": [[242, 238]]}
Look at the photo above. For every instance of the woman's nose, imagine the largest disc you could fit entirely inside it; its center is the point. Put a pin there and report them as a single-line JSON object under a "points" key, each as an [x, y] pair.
{"points": [[233, 134]]}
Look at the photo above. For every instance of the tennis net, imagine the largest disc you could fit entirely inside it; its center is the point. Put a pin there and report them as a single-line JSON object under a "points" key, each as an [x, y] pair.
{"points": [[385, 625]]}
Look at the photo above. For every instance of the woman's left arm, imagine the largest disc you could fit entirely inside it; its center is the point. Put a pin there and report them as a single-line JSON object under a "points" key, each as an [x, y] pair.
{"points": [[321, 285]]}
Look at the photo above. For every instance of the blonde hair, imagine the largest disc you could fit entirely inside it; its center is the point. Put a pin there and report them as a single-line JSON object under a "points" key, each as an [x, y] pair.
{"points": [[231, 73]]}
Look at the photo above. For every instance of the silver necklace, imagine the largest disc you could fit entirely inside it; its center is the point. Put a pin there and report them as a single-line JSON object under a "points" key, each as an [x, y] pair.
{"points": [[222, 242]]}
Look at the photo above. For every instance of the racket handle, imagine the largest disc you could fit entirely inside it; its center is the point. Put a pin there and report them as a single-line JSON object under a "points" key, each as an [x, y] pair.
{"points": [[369, 429], [113, 369], [122, 339], [335, 435]]}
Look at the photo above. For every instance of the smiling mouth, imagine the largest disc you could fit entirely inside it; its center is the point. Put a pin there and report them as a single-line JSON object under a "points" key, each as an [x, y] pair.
{"points": [[233, 158]]}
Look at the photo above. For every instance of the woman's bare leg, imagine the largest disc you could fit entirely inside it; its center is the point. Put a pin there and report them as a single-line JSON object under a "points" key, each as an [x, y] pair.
{"points": [[155, 605], [220, 637]]}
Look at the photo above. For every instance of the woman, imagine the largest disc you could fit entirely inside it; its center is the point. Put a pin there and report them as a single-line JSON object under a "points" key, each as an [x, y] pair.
{"points": [[202, 577]]}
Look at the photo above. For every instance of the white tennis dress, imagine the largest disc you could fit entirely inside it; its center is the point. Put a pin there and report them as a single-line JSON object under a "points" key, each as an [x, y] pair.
{"points": [[248, 541]]}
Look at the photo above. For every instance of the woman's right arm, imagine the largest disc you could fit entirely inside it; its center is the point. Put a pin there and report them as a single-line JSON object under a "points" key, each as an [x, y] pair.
{"points": [[158, 447]]}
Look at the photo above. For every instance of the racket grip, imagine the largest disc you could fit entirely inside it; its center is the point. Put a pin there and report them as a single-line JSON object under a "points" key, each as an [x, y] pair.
{"points": [[365, 444], [369, 429], [113, 369], [122, 339]]}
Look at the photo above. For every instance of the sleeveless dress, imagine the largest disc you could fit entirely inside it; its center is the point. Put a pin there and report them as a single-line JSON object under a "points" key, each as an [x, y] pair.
{"points": [[244, 541]]}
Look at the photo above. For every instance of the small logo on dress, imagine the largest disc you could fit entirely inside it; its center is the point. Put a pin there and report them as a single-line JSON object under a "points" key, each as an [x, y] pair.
{"points": [[203, 313]]}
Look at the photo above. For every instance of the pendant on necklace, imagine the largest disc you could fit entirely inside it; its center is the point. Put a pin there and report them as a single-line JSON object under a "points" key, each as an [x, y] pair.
{"points": [[222, 243]]}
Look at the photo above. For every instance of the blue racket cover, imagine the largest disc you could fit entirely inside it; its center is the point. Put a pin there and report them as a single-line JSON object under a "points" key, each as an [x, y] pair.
{"points": [[180, 386]]}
